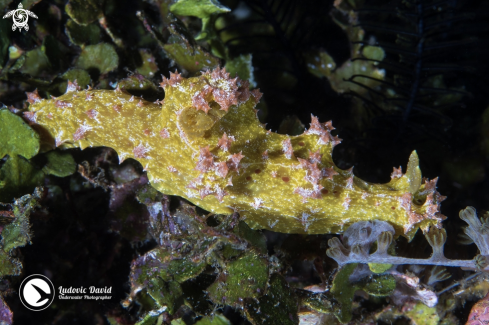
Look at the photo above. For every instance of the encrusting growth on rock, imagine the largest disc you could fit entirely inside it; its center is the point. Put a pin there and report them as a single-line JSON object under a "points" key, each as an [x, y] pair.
{"points": [[205, 143]]}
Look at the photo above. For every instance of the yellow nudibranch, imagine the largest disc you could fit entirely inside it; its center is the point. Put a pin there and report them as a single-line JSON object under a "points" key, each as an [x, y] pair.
{"points": [[205, 143]]}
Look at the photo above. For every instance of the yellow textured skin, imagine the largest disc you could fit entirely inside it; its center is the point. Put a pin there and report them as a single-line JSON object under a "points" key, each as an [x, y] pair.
{"points": [[283, 183]]}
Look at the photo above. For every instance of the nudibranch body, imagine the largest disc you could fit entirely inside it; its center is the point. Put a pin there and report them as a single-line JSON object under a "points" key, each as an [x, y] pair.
{"points": [[205, 143]]}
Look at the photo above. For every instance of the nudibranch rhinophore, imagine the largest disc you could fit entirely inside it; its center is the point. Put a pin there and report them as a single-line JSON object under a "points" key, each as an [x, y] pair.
{"points": [[205, 143]]}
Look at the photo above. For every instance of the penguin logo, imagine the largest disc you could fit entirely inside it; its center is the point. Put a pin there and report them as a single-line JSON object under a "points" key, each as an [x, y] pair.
{"points": [[36, 292]]}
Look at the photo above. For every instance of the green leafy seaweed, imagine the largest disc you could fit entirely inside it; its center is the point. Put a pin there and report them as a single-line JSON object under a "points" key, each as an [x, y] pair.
{"points": [[102, 57], [192, 59], [277, 307], [17, 177], [83, 12], [198, 8], [59, 164], [17, 233], [243, 278], [81, 77], [242, 67], [82, 34], [18, 138]]}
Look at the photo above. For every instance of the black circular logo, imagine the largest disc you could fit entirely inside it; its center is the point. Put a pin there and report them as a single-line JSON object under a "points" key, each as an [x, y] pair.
{"points": [[36, 292]]}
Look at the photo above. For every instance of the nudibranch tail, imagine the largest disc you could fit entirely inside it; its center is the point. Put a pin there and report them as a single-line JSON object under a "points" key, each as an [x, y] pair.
{"points": [[205, 143]]}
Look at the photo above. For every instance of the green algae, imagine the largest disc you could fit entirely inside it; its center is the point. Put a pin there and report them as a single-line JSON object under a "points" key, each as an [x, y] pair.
{"points": [[59, 164], [343, 290], [421, 314], [379, 268], [148, 65], [17, 137], [17, 233], [168, 268], [102, 57], [165, 294], [242, 67], [83, 12], [243, 278], [83, 34], [18, 177], [215, 320], [192, 59], [198, 8], [277, 307], [81, 77]]}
